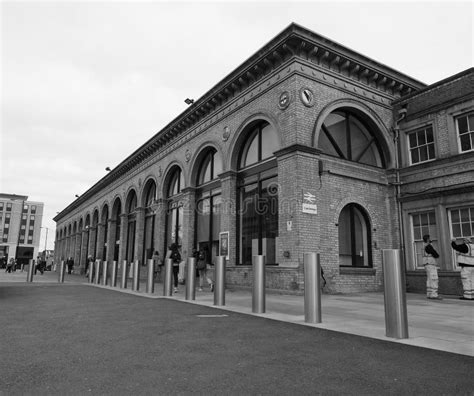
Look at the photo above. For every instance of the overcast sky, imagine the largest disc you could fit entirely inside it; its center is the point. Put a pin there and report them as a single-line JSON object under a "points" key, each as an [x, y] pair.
{"points": [[84, 84]]}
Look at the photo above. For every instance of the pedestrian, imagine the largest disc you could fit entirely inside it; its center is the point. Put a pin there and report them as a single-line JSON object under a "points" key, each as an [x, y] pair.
{"points": [[202, 263], [157, 264], [10, 265], [465, 259], [429, 261], [89, 265], [176, 259], [70, 265]]}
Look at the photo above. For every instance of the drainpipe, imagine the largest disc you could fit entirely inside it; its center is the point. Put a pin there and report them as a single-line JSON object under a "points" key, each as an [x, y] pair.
{"points": [[396, 130]]}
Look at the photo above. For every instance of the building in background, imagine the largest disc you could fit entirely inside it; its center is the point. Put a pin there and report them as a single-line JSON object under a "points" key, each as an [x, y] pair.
{"points": [[20, 223], [308, 146]]}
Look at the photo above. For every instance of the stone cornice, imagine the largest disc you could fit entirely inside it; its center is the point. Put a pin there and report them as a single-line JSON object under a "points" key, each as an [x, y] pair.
{"points": [[295, 42]]}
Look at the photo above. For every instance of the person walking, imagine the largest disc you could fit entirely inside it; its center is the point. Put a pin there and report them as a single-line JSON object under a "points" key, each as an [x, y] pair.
{"points": [[429, 261], [70, 265], [465, 259], [89, 265], [10, 265], [201, 264], [176, 259]]}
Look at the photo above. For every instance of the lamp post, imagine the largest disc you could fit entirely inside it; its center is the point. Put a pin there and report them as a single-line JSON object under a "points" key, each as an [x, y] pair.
{"points": [[45, 242]]}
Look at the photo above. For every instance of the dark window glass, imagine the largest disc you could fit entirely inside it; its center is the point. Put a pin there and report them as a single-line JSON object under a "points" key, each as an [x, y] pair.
{"points": [[9, 207], [33, 208], [465, 125], [262, 141]]}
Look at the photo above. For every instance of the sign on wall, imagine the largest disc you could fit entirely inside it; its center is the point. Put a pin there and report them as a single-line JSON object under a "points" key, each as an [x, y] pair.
{"points": [[309, 203]]}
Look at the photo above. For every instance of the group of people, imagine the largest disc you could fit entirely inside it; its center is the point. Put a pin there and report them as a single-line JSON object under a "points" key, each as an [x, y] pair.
{"points": [[465, 260], [203, 261], [11, 265]]}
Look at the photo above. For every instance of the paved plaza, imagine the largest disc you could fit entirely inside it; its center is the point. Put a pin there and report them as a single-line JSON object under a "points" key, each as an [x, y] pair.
{"points": [[77, 338]]}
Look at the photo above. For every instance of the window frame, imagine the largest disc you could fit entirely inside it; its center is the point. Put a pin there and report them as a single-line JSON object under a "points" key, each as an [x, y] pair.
{"points": [[423, 129], [469, 131]]}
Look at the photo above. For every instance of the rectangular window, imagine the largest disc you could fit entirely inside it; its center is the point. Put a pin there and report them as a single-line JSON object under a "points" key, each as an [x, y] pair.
{"points": [[7, 217], [465, 127], [1, 206], [5, 237], [421, 145], [25, 208], [32, 218], [9, 207], [423, 224], [22, 238], [33, 209], [7, 225], [462, 222]]}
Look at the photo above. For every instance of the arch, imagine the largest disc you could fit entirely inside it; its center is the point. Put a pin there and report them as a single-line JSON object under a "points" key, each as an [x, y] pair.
{"points": [[171, 173], [147, 191], [74, 227], [354, 236], [131, 201], [80, 225], [201, 153], [365, 114], [104, 213], [242, 133], [116, 207], [87, 221], [95, 217]]}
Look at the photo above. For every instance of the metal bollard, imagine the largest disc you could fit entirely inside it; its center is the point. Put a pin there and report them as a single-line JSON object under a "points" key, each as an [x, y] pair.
{"points": [[396, 322], [113, 274], [258, 295], [62, 268], [168, 280], [312, 288], [136, 276], [219, 281], [123, 281], [150, 282], [104, 272], [190, 292], [31, 270], [97, 272]]}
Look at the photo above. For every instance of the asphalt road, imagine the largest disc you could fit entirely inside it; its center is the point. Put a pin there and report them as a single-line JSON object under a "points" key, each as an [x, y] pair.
{"points": [[63, 339]]}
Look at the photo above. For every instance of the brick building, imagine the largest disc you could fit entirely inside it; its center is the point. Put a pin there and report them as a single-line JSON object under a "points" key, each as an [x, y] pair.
{"points": [[305, 147], [20, 222]]}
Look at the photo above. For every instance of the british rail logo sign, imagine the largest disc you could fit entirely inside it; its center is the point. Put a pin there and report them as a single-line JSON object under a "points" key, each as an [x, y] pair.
{"points": [[309, 203]]}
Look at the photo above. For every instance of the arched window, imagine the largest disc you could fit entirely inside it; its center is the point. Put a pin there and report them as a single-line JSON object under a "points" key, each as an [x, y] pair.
{"points": [[354, 237], [131, 206], [208, 203], [116, 212], [261, 143], [258, 195], [149, 226], [174, 220], [346, 135], [105, 224]]}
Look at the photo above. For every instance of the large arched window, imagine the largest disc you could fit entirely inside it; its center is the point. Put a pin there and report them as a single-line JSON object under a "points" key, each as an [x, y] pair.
{"points": [[149, 226], [258, 195], [346, 135], [174, 220], [116, 212], [105, 224], [208, 203], [131, 225], [354, 237]]}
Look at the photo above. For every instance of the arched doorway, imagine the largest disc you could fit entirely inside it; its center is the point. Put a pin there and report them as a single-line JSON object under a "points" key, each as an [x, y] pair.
{"points": [[105, 224], [116, 212], [131, 205], [257, 191], [174, 216], [355, 238], [149, 199], [208, 202]]}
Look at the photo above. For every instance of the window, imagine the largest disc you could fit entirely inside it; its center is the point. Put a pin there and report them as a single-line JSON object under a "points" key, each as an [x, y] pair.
{"points": [[7, 225], [1, 206], [462, 222], [174, 233], [9, 207], [465, 127], [32, 218], [346, 136], [5, 237], [22, 238], [423, 224], [258, 195], [25, 208], [210, 167], [421, 144], [33, 208]]}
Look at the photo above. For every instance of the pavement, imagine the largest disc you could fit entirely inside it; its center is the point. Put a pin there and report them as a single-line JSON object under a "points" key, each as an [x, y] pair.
{"points": [[444, 325]]}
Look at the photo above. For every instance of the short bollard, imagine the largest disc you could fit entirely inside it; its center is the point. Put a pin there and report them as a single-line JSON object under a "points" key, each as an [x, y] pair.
{"points": [[190, 291], [97, 271], [312, 288], [150, 281], [113, 274], [258, 295], [104, 272], [136, 276], [219, 281], [396, 322], [123, 280], [168, 281], [91, 271], [31, 270], [62, 269]]}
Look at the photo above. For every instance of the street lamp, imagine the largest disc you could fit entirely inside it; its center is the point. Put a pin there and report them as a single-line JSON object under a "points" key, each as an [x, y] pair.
{"points": [[45, 242]]}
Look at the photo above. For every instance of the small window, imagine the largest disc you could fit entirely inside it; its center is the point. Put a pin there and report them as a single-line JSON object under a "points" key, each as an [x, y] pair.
{"points": [[421, 144], [25, 208], [423, 224], [22, 238], [465, 127], [32, 218], [33, 208], [462, 222], [9, 207], [7, 225], [1, 206]]}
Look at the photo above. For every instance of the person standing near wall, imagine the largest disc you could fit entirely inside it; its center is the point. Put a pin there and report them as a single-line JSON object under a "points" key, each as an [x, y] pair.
{"points": [[465, 259], [176, 258], [429, 261]]}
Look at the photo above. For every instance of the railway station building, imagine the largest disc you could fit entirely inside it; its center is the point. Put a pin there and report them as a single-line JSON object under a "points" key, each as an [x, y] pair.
{"points": [[308, 146]]}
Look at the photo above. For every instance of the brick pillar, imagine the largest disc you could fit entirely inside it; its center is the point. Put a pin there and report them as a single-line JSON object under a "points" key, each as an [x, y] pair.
{"points": [[160, 224], [139, 234], [100, 241], [189, 212], [111, 240], [229, 212], [123, 236]]}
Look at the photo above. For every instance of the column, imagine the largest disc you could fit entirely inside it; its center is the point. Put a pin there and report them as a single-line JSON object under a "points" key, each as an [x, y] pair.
{"points": [[111, 240], [83, 255], [100, 241], [229, 212], [91, 245], [189, 204], [123, 236], [77, 249], [139, 234]]}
